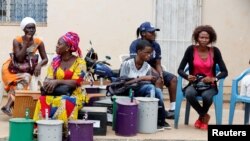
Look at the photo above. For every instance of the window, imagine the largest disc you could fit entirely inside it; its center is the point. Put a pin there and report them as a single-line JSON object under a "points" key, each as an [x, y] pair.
{"points": [[13, 11], [3, 9]]}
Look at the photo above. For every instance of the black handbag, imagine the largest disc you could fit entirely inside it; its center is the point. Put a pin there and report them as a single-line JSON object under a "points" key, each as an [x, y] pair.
{"points": [[59, 90], [199, 85], [121, 87]]}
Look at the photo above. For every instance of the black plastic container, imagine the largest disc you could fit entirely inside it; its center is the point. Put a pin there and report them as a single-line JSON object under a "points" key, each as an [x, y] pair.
{"points": [[92, 89]]}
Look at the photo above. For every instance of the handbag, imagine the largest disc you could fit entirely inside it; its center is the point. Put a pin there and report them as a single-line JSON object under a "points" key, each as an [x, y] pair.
{"points": [[199, 85], [121, 86], [59, 90], [27, 66]]}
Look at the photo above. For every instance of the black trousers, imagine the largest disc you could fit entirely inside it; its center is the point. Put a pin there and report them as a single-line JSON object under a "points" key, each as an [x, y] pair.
{"points": [[207, 96]]}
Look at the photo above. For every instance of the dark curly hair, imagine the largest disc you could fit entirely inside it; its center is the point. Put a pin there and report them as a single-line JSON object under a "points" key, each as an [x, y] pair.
{"points": [[142, 44], [207, 28]]}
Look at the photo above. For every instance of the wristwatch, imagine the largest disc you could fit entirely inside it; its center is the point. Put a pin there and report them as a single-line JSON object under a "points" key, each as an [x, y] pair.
{"points": [[216, 79]]}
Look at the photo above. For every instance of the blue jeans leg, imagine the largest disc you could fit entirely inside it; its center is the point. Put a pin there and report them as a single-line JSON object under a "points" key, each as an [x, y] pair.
{"points": [[145, 90]]}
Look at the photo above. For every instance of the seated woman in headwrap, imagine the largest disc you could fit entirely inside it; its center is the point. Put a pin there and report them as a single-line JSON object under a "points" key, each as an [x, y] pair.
{"points": [[22, 46], [65, 69]]}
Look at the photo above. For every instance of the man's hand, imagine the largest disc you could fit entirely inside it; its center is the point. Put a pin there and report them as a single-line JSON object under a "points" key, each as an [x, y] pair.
{"points": [[148, 78], [162, 78]]}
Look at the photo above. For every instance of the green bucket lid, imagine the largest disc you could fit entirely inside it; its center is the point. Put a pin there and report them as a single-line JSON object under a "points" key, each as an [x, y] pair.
{"points": [[21, 120]]}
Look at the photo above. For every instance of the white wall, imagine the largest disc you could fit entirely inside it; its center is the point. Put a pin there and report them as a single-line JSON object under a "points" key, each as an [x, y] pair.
{"points": [[112, 24], [230, 19]]}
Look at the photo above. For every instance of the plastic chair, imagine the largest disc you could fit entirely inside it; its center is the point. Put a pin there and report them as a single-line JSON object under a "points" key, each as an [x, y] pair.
{"points": [[123, 57], [235, 97], [164, 67], [217, 100]]}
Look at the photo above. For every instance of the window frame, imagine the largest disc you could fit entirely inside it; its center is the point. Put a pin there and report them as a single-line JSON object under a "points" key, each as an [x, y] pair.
{"points": [[7, 21]]}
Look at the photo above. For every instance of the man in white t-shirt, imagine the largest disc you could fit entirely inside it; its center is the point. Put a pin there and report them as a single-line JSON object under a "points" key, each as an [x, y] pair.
{"points": [[141, 71]]}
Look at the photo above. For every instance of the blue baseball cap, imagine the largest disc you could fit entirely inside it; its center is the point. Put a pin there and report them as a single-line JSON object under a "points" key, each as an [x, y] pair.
{"points": [[147, 26]]}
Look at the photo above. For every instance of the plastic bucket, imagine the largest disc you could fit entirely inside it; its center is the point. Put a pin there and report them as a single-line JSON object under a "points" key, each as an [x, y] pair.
{"points": [[114, 109], [147, 114], [21, 129], [80, 130], [49, 130], [126, 117]]}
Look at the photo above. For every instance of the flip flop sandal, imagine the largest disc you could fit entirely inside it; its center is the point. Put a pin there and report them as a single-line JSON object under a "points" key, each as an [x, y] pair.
{"points": [[7, 112]]}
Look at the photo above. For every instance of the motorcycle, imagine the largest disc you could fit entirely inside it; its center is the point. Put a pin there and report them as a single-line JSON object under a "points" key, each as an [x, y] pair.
{"points": [[97, 69]]}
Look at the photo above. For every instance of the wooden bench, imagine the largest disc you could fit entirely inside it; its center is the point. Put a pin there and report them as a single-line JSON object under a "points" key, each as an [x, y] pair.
{"points": [[25, 99]]}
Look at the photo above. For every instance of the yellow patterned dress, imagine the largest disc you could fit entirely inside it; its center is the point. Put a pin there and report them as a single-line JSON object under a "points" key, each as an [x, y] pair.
{"points": [[63, 107]]}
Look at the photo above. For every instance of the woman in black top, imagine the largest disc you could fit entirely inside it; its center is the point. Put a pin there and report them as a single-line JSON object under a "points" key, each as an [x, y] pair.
{"points": [[202, 59]]}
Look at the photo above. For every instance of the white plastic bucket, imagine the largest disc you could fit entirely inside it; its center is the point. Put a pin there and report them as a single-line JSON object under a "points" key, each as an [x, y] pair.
{"points": [[49, 130], [147, 114]]}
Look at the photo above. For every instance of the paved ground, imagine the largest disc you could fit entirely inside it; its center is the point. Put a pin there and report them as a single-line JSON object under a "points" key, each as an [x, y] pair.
{"points": [[185, 132]]}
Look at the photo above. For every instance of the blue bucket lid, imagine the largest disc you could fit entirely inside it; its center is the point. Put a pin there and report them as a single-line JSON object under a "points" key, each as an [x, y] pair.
{"points": [[21, 120]]}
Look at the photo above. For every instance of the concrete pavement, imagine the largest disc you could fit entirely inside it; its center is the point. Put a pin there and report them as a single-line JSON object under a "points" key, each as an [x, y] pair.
{"points": [[184, 132]]}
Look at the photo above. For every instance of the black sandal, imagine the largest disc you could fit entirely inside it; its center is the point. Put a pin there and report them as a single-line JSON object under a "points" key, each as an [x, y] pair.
{"points": [[7, 112]]}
